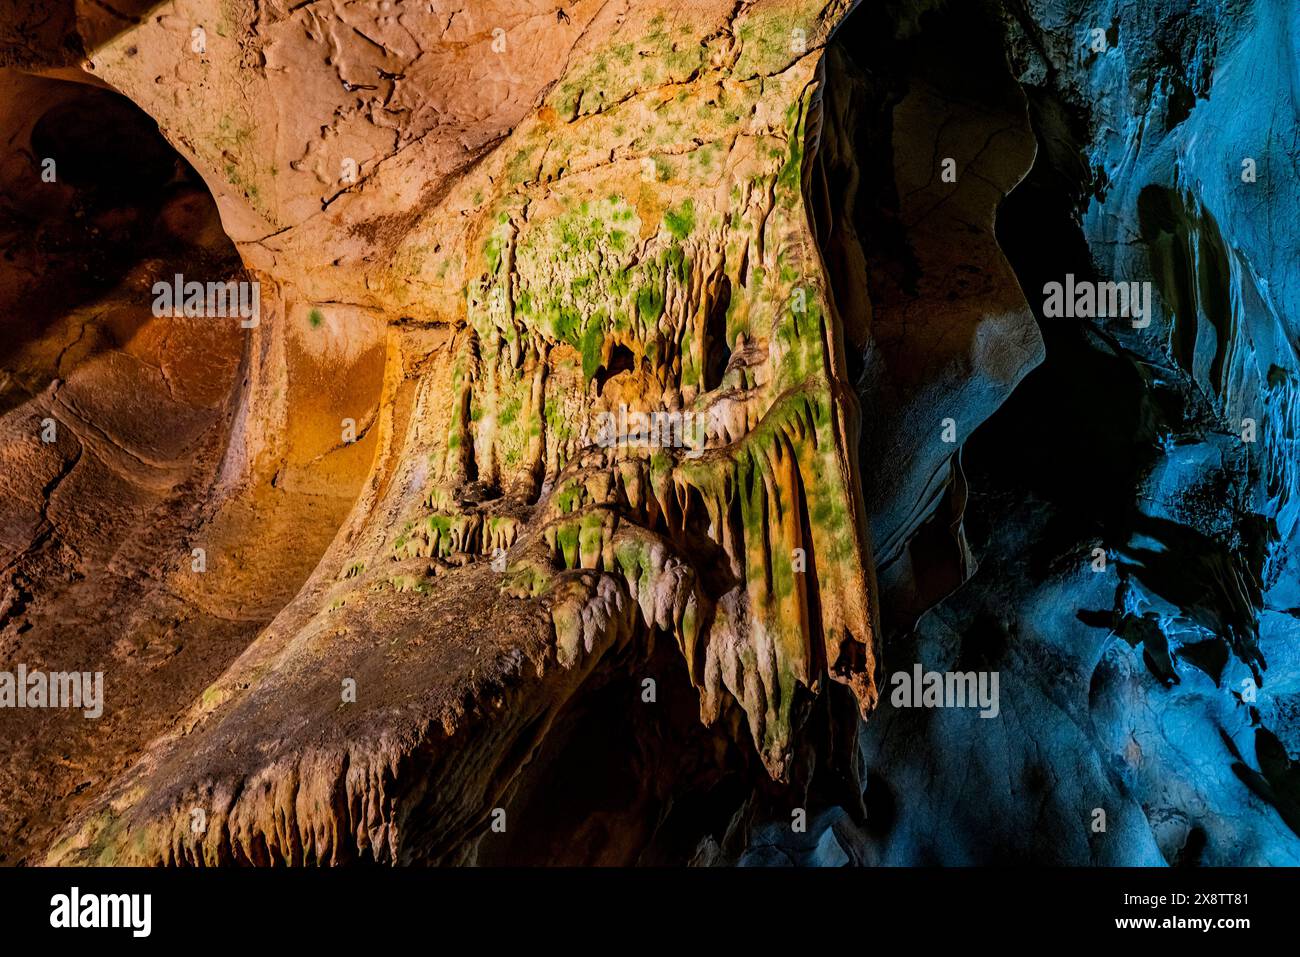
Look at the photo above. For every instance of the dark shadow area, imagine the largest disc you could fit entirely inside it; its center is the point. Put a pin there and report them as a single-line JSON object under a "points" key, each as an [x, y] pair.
{"points": [[92, 197], [45, 33]]}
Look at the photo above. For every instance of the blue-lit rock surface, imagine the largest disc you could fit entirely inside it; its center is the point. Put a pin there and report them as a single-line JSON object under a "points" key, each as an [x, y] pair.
{"points": [[1161, 690]]}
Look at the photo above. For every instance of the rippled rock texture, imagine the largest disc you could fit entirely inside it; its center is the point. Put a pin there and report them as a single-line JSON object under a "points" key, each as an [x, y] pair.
{"points": [[636, 391]]}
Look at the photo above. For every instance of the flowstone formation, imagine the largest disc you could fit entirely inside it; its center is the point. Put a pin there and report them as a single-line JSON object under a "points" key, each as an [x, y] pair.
{"points": [[615, 408], [609, 358]]}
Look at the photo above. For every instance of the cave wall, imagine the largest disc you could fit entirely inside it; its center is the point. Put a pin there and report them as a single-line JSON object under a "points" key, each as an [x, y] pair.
{"points": [[489, 238], [1155, 686]]}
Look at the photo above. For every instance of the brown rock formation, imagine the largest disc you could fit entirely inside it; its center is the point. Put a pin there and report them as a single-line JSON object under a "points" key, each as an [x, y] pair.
{"points": [[548, 392], [538, 217]]}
